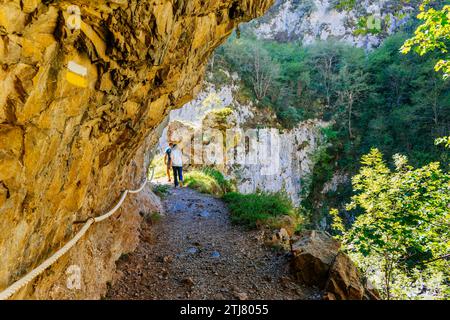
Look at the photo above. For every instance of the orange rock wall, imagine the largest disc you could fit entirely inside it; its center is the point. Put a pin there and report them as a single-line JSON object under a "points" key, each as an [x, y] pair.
{"points": [[72, 139]]}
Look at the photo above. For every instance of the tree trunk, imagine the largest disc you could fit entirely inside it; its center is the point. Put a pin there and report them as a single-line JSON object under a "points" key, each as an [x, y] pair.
{"points": [[350, 107], [435, 104], [387, 277]]}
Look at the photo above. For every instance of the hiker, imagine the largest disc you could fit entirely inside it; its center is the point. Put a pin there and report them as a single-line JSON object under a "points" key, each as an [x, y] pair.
{"points": [[177, 165], [168, 160]]}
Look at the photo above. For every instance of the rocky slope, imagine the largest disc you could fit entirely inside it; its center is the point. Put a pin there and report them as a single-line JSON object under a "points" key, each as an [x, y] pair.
{"points": [[311, 20], [84, 84]]}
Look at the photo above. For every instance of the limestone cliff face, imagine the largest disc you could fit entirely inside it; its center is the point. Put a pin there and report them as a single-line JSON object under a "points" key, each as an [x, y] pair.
{"points": [[293, 160], [83, 86], [311, 20]]}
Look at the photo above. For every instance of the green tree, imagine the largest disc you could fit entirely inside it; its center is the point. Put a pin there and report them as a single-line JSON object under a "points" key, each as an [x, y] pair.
{"points": [[352, 86], [433, 34], [403, 229], [408, 104], [325, 58], [404, 106], [264, 71]]}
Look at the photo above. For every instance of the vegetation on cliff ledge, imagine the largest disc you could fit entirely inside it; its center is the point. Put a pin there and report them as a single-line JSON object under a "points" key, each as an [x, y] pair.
{"points": [[261, 209], [208, 180]]}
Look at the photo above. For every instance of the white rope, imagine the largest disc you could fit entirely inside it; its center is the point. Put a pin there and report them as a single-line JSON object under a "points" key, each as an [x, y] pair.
{"points": [[116, 207], [5, 294], [137, 190], [16, 286]]}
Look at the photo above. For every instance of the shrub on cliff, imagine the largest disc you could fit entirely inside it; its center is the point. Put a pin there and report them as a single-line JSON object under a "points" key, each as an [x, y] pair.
{"points": [[208, 180], [256, 209], [224, 184], [161, 190]]}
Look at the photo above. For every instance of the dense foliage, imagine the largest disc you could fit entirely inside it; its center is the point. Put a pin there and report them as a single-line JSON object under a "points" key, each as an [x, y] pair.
{"points": [[432, 34], [381, 99], [401, 237]]}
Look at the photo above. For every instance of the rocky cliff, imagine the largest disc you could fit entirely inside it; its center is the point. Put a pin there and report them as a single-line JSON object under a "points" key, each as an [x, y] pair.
{"points": [[360, 23], [286, 167], [363, 23], [84, 84]]}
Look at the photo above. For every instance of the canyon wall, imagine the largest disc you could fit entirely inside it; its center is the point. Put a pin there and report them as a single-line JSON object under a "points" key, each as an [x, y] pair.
{"points": [[363, 23], [305, 21], [84, 85], [286, 167]]}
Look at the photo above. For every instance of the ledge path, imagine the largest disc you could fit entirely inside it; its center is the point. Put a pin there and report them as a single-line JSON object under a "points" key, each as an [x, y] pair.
{"points": [[194, 252]]}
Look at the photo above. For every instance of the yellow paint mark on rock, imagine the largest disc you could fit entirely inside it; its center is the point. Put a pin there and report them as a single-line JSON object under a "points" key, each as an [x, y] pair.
{"points": [[76, 79]]}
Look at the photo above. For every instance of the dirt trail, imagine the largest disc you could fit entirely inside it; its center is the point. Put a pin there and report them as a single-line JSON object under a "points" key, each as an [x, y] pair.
{"points": [[194, 252]]}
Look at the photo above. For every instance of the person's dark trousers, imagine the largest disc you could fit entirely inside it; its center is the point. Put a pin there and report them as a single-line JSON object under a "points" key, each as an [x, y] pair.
{"points": [[177, 174]]}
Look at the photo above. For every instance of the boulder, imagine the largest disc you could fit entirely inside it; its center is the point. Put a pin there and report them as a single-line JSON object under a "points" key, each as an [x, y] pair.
{"points": [[313, 255], [180, 132], [344, 280], [370, 292], [318, 261], [329, 296]]}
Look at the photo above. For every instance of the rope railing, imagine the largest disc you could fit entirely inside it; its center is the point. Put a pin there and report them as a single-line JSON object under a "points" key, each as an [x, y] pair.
{"points": [[16, 286]]}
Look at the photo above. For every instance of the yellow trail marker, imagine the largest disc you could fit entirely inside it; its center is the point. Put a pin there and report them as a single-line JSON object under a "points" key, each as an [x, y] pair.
{"points": [[76, 79], [76, 74]]}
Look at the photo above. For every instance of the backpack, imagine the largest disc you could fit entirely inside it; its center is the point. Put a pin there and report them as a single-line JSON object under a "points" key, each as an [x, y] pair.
{"points": [[168, 152]]}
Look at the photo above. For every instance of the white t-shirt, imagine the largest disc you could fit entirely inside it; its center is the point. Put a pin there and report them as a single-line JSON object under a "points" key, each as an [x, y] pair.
{"points": [[177, 157]]}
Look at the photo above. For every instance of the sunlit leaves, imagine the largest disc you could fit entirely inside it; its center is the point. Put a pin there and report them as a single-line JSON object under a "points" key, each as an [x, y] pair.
{"points": [[432, 35], [445, 141], [405, 219]]}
